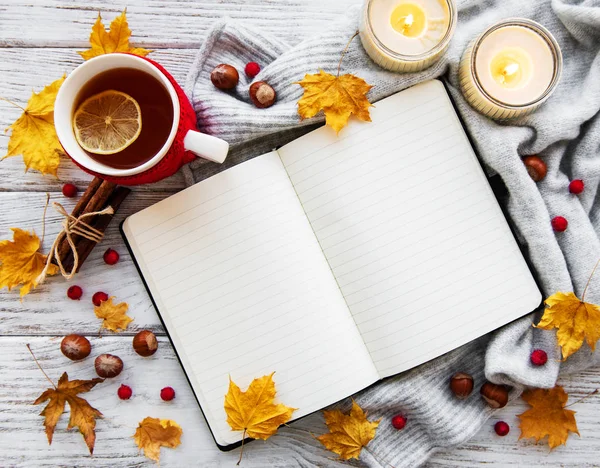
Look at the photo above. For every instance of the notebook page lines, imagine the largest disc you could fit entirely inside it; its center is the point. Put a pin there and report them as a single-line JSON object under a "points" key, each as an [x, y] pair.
{"points": [[409, 226], [245, 291]]}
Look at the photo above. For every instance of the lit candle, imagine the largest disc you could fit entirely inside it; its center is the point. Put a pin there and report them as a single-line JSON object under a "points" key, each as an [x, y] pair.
{"points": [[407, 35], [511, 69]]}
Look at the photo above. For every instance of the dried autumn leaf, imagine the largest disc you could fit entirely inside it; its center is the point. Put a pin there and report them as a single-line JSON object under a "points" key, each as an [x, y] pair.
{"points": [[114, 316], [116, 40], [254, 411], [21, 262], [83, 415], [33, 134], [575, 320], [547, 416], [153, 433], [348, 434], [337, 96]]}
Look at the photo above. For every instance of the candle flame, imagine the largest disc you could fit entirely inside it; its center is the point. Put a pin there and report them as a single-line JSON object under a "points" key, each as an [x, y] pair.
{"points": [[510, 69], [408, 21]]}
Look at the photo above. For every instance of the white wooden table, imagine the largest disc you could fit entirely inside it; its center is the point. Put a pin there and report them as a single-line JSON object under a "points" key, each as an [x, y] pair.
{"points": [[38, 43]]}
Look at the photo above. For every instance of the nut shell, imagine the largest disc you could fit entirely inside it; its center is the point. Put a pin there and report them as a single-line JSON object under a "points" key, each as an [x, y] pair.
{"points": [[536, 167], [496, 396], [108, 366], [224, 76], [461, 385], [262, 94], [75, 347], [145, 343]]}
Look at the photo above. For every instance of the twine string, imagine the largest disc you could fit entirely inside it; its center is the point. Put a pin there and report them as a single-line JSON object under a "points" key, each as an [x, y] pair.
{"points": [[72, 225]]}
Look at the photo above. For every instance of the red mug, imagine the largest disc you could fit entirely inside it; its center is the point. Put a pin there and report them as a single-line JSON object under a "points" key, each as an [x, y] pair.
{"points": [[183, 145]]}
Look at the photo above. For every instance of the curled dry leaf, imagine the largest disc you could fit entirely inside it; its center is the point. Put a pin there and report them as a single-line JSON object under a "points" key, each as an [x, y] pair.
{"points": [[33, 134], [83, 415], [547, 416], [21, 262], [153, 433], [115, 40], [337, 96], [114, 316], [348, 434], [575, 320]]}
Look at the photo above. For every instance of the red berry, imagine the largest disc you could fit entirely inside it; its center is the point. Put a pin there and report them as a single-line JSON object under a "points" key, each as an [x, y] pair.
{"points": [[538, 357], [501, 428], [559, 224], [124, 392], [252, 69], [576, 186], [69, 190], [99, 297], [167, 393], [74, 292], [399, 421], [111, 257]]}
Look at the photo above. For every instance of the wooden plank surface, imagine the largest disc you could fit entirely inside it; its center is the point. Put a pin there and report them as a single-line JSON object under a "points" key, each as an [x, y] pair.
{"points": [[39, 42]]}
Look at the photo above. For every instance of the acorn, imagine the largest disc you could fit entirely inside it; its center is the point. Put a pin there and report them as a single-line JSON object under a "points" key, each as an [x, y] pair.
{"points": [[145, 343], [495, 395], [224, 76], [536, 167], [75, 347], [461, 385]]}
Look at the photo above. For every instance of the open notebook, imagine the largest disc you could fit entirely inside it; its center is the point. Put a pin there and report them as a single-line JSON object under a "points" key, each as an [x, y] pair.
{"points": [[334, 261]]}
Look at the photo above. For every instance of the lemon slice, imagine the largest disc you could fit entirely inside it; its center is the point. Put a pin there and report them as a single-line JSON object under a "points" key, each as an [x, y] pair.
{"points": [[108, 122]]}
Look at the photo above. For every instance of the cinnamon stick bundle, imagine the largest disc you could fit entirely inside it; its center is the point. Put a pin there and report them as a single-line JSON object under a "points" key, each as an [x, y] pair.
{"points": [[99, 195]]}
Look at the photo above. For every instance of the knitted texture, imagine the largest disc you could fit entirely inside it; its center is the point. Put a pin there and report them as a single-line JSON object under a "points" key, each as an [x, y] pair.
{"points": [[565, 132], [176, 157]]}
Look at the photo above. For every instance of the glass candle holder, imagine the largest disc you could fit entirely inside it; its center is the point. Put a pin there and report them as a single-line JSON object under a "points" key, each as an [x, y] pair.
{"points": [[407, 35], [511, 69]]}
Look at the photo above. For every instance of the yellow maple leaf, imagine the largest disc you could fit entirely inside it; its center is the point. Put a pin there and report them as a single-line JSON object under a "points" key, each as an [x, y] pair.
{"points": [[114, 316], [83, 415], [254, 411], [348, 434], [575, 320], [547, 416], [153, 433], [115, 40], [21, 262], [33, 134], [337, 96]]}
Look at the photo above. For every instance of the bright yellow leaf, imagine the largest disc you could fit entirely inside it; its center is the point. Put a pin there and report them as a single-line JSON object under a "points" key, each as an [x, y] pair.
{"points": [[337, 96], [113, 315], [116, 40], [547, 416], [348, 434], [153, 433], [33, 134], [254, 411], [575, 320], [83, 415], [21, 262]]}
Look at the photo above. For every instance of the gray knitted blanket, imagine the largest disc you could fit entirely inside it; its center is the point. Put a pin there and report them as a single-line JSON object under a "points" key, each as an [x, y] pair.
{"points": [[565, 132]]}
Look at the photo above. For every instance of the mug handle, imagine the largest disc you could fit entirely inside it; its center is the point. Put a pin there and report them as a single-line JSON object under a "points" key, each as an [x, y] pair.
{"points": [[206, 146]]}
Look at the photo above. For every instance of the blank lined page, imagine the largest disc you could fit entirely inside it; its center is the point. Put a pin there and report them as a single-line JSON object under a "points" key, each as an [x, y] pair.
{"points": [[244, 290], [411, 229]]}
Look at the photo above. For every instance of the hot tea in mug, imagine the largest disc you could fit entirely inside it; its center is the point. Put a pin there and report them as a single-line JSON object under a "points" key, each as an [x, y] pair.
{"points": [[140, 131]]}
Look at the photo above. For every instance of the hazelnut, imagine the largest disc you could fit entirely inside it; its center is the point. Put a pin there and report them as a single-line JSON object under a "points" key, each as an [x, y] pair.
{"points": [[495, 395], [461, 385], [224, 76], [536, 167], [108, 366], [262, 94], [145, 343], [75, 347]]}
